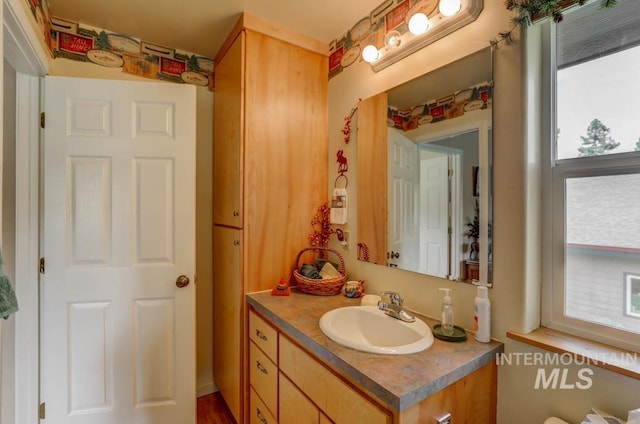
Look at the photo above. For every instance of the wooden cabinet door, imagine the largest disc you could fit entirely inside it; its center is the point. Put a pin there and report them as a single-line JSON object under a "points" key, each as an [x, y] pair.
{"points": [[372, 178], [470, 400], [258, 412], [335, 398], [285, 157], [295, 408], [263, 377], [228, 136], [227, 311]]}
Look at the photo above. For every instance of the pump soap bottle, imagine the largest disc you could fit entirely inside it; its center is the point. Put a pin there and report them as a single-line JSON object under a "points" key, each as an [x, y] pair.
{"points": [[482, 318], [446, 323]]}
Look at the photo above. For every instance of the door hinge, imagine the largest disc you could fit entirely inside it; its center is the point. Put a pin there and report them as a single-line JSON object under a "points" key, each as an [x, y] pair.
{"points": [[450, 172], [41, 265], [42, 119], [41, 411]]}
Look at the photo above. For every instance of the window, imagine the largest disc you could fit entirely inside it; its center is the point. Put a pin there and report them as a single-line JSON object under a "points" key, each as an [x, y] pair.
{"points": [[592, 175]]}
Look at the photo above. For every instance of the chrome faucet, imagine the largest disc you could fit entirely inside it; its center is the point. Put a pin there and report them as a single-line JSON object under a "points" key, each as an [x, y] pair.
{"points": [[395, 297], [395, 309]]}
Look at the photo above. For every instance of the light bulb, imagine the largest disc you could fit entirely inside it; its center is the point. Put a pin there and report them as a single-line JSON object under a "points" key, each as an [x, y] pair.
{"points": [[449, 7], [392, 39], [418, 24], [370, 53]]}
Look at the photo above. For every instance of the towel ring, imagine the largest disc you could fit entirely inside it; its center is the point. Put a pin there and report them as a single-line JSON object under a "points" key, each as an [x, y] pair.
{"points": [[346, 181]]}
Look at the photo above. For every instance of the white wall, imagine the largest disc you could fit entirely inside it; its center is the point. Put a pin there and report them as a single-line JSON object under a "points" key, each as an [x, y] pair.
{"points": [[204, 208], [516, 250]]}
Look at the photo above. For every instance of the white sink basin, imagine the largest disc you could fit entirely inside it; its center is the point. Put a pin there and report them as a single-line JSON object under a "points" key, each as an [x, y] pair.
{"points": [[369, 329]]}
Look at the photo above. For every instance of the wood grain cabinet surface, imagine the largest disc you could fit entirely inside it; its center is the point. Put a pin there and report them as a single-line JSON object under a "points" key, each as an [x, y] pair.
{"points": [[295, 407], [227, 360], [270, 176], [258, 412], [263, 335], [339, 401], [263, 377]]}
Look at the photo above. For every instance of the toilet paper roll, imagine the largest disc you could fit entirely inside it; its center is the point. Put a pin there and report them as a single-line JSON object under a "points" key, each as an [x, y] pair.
{"points": [[370, 300]]}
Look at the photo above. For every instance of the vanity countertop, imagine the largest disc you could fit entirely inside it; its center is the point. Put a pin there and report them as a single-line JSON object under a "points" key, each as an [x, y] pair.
{"points": [[397, 381]]}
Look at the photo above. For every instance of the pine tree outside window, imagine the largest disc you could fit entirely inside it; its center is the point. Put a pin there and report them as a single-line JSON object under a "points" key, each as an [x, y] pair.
{"points": [[597, 141]]}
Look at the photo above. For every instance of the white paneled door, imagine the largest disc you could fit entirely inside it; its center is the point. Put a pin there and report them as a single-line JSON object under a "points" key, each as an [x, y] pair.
{"points": [[434, 213], [402, 243], [118, 334]]}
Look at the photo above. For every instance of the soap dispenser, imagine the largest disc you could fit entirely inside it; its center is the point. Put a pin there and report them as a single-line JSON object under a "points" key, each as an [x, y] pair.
{"points": [[447, 313]]}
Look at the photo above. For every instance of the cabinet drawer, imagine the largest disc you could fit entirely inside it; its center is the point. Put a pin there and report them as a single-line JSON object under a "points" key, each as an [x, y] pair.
{"points": [[263, 377], [340, 402], [258, 412], [295, 408], [264, 336]]}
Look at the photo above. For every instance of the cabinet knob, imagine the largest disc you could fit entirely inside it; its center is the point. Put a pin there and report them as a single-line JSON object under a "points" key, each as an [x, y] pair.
{"points": [[236, 242], [262, 419], [236, 213], [260, 335], [261, 368]]}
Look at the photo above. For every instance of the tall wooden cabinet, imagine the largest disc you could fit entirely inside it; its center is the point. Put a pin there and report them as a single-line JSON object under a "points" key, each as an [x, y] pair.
{"points": [[270, 175]]}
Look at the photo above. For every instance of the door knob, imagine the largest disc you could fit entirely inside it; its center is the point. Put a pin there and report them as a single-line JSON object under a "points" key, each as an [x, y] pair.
{"points": [[182, 281]]}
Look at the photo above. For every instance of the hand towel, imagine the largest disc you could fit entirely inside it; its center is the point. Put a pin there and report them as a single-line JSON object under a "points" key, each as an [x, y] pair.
{"points": [[321, 261], [8, 301], [310, 271], [338, 214], [328, 271]]}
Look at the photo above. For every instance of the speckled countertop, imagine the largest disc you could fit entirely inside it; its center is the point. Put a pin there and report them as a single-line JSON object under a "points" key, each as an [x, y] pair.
{"points": [[397, 381]]}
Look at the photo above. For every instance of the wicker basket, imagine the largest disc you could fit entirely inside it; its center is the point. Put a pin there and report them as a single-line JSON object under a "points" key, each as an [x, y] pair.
{"points": [[324, 287]]}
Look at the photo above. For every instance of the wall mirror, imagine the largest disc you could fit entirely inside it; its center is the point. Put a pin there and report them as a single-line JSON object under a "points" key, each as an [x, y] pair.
{"points": [[424, 173]]}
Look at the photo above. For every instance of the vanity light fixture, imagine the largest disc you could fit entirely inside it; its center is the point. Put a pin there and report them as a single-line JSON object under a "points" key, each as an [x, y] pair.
{"points": [[451, 15], [370, 53], [418, 23], [449, 7]]}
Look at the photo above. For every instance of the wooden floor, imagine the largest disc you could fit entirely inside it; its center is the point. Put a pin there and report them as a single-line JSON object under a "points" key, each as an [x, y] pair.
{"points": [[213, 410]]}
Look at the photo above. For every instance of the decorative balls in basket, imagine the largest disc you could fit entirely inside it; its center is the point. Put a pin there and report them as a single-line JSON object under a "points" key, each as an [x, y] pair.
{"points": [[320, 286]]}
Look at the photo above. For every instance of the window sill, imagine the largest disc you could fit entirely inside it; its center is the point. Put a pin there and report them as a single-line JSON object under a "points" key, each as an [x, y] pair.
{"points": [[598, 354]]}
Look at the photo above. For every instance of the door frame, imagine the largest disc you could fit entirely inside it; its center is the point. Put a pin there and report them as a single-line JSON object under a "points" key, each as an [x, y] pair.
{"points": [[26, 53]]}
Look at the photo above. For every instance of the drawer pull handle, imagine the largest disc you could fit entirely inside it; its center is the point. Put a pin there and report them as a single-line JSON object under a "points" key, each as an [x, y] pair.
{"points": [[262, 369], [236, 213], [260, 335], [262, 419]]}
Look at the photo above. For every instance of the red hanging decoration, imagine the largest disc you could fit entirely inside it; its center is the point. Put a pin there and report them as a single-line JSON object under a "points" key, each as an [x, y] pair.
{"points": [[322, 230], [343, 165], [346, 130]]}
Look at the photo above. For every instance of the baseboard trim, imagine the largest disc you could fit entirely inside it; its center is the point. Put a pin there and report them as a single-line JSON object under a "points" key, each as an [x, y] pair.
{"points": [[207, 389]]}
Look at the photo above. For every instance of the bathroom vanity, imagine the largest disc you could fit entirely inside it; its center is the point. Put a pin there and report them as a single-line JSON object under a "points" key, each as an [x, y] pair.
{"points": [[298, 375]]}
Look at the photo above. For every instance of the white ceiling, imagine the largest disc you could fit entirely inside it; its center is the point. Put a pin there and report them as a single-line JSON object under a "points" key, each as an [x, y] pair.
{"points": [[200, 26]]}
